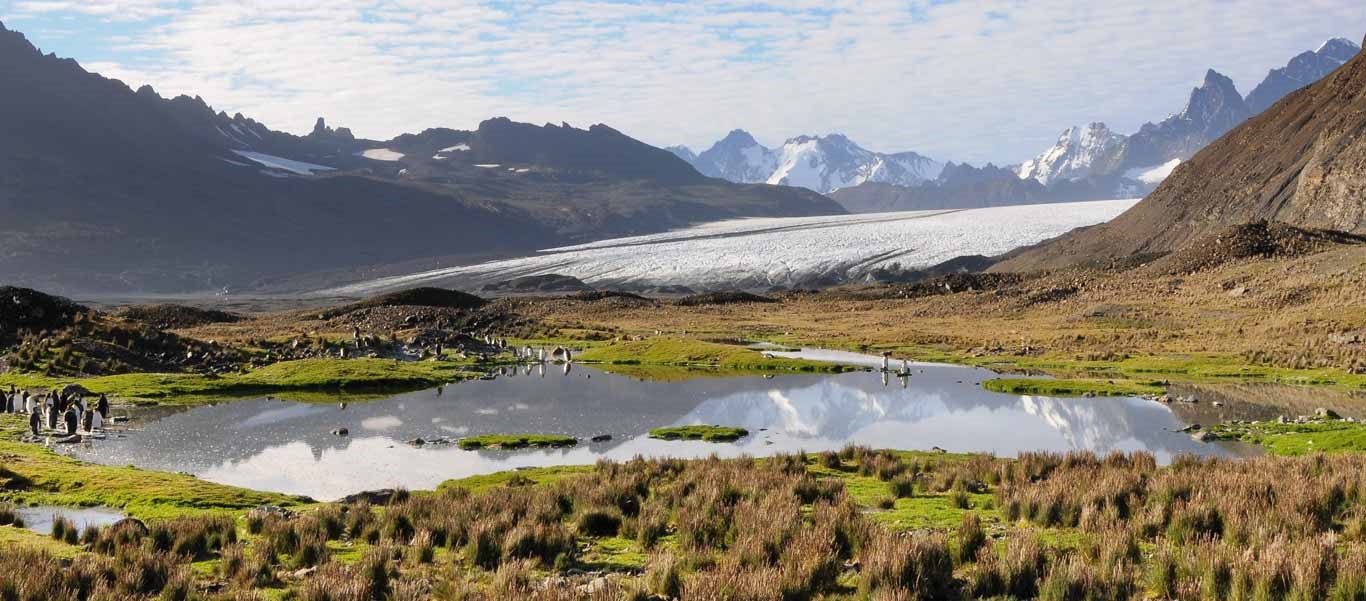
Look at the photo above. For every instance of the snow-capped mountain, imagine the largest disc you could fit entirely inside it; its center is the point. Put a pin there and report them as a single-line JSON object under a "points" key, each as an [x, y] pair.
{"points": [[820, 163], [738, 157], [1078, 152], [1304, 69], [1139, 162]]}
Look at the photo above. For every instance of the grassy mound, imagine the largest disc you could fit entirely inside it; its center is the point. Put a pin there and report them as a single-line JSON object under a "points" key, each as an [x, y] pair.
{"points": [[415, 297], [707, 433], [302, 375], [722, 298], [1315, 436], [169, 316], [516, 441], [24, 310], [1073, 387], [688, 352]]}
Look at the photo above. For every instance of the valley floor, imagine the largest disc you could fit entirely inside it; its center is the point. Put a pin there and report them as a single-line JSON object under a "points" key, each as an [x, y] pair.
{"points": [[858, 524]]}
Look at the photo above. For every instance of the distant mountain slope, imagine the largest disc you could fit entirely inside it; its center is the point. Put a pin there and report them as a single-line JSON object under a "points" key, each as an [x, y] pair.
{"points": [[1140, 161], [962, 186], [110, 189], [1302, 162], [820, 163], [1304, 69]]}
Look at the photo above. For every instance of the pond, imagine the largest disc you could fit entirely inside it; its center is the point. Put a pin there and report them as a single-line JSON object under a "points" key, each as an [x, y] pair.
{"points": [[38, 518], [290, 447]]}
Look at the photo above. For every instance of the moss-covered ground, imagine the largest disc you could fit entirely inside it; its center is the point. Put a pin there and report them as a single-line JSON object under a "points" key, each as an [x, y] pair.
{"points": [[1294, 438], [290, 378], [516, 441], [700, 432], [1072, 387], [687, 352]]}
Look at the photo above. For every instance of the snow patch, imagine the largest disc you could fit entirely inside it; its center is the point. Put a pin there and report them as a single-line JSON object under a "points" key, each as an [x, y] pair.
{"points": [[488, 166], [1153, 175], [380, 154], [456, 148], [282, 163]]}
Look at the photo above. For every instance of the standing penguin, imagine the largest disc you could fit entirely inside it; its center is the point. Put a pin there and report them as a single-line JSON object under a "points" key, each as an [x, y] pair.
{"points": [[53, 413], [102, 406], [72, 419], [35, 423]]}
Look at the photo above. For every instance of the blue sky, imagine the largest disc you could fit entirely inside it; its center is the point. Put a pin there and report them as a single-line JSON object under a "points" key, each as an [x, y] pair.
{"points": [[963, 81]]}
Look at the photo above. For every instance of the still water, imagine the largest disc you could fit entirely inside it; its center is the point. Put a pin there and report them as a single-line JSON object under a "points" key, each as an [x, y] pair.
{"points": [[39, 518], [290, 447]]}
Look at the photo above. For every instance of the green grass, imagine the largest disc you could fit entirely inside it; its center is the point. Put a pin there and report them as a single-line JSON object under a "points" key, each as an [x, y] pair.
{"points": [[516, 441], [1199, 368], [535, 476], [12, 538], [306, 375], [1318, 436], [1073, 387], [672, 373], [613, 554], [696, 353], [34, 475], [707, 433]]}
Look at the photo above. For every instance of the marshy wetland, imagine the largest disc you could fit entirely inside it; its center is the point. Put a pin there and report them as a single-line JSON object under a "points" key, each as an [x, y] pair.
{"points": [[679, 463]]}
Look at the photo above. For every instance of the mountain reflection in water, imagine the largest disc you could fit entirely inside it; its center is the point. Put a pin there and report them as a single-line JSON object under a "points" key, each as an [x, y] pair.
{"points": [[289, 447]]}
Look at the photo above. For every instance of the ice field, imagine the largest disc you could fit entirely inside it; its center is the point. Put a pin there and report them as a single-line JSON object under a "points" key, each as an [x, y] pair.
{"points": [[765, 252]]}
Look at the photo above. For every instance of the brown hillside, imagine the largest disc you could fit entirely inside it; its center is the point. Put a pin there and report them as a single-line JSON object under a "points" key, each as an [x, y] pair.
{"points": [[1301, 162]]}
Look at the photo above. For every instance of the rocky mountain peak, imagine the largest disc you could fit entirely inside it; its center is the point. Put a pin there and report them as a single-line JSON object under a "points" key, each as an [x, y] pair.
{"points": [[1215, 102], [1079, 152], [738, 137], [1302, 70], [1341, 49]]}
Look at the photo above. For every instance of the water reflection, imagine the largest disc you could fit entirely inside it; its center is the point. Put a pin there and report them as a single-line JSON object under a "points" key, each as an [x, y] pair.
{"points": [[289, 447], [39, 518]]}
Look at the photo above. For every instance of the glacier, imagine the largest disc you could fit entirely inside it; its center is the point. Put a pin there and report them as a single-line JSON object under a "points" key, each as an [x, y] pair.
{"points": [[759, 253]]}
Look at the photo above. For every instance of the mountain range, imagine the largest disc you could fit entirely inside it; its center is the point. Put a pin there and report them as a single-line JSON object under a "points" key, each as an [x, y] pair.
{"points": [[1301, 162], [820, 163], [1088, 162], [111, 189], [1143, 159]]}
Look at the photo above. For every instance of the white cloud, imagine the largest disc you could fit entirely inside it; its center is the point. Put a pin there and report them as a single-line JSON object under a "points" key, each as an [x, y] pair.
{"points": [[992, 80]]}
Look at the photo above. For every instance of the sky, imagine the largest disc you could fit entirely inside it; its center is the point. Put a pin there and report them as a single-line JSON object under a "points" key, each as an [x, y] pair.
{"points": [[964, 81]]}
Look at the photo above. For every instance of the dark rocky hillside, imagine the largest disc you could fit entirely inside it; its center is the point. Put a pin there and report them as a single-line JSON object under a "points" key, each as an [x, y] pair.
{"points": [[1301, 162], [103, 188]]}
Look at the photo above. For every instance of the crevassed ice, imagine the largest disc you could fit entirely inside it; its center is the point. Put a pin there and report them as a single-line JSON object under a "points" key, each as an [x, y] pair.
{"points": [[756, 253]]}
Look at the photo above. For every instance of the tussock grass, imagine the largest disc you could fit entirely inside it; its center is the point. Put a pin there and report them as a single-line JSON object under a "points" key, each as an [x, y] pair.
{"points": [[785, 527]]}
